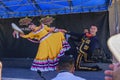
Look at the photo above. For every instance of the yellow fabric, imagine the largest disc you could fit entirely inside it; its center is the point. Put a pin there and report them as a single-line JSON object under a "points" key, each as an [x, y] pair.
{"points": [[37, 35], [50, 47], [46, 28]]}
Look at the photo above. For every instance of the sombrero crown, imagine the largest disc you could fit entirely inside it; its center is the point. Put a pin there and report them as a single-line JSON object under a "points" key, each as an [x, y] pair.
{"points": [[25, 21], [46, 20]]}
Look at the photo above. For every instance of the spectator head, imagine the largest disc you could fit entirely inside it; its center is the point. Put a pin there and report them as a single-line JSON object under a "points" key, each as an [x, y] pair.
{"points": [[66, 63]]}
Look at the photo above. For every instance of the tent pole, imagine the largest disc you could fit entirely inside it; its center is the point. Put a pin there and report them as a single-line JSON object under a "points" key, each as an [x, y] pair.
{"points": [[116, 17]]}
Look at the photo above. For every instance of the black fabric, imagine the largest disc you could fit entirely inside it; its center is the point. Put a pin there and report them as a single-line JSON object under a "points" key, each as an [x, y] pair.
{"points": [[78, 22], [22, 48]]}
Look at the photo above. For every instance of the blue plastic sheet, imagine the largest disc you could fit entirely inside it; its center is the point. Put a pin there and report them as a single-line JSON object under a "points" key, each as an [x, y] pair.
{"points": [[22, 8]]}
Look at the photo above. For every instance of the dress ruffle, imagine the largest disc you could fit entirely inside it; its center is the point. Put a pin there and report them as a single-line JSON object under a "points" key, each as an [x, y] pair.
{"points": [[48, 64]]}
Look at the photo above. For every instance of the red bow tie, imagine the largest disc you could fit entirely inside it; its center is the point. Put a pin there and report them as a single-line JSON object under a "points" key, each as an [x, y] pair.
{"points": [[88, 35]]}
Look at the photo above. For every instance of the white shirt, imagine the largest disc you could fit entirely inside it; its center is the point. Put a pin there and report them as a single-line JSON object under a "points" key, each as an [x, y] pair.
{"points": [[67, 76]]}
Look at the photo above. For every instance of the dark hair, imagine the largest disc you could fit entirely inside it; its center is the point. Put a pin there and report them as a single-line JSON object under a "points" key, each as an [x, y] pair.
{"points": [[36, 21], [94, 25], [65, 62]]}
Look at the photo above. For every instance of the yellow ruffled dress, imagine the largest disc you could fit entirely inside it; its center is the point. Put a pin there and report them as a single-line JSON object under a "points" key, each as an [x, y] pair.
{"points": [[51, 47]]}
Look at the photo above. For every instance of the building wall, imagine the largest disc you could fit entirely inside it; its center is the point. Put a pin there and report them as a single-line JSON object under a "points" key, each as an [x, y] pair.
{"points": [[112, 17], [112, 21]]}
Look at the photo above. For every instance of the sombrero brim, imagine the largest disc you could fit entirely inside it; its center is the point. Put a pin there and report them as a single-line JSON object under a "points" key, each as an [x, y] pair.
{"points": [[114, 46]]}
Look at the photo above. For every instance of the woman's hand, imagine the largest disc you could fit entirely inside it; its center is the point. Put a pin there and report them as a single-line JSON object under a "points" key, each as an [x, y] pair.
{"points": [[15, 34], [52, 29]]}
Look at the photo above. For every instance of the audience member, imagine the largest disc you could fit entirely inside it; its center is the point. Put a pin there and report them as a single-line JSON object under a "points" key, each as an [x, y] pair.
{"points": [[0, 70], [114, 73], [66, 69]]}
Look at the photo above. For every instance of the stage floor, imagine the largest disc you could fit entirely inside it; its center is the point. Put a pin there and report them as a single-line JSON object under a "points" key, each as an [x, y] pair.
{"points": [[19, 69]]}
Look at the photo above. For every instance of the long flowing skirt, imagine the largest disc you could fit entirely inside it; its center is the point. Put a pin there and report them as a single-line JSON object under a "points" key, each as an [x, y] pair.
{"points": [[50, 49]]}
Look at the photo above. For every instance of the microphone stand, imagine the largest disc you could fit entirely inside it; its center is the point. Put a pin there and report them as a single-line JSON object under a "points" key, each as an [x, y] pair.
{"points": [[39, 72]]}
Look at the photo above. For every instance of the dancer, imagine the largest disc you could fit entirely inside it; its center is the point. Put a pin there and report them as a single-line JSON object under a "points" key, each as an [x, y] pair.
{"points": [[52, 43], [86, 47], [87, 44]]}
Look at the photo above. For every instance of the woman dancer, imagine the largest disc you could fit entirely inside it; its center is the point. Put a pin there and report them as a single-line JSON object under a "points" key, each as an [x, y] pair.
{"points": [[52, 43]]}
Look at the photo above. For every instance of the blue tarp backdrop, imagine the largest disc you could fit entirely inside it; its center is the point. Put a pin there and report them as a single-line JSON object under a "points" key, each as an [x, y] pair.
{"points": [[22, 8]]}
